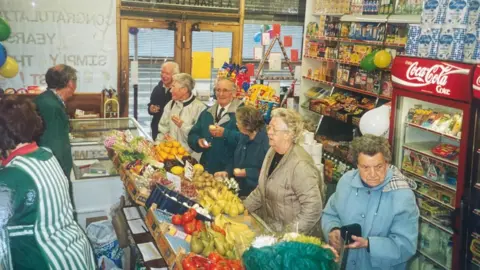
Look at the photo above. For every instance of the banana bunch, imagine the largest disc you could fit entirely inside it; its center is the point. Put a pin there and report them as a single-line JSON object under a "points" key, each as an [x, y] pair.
{"points": [[237, 233], [221, 200]]}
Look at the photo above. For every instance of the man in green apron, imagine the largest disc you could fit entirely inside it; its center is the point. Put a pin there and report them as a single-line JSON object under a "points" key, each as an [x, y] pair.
{"points": [[62, 83]]}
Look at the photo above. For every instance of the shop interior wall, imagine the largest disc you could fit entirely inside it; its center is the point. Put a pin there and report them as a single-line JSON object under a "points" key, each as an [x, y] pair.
{"points": [[154, 46]]}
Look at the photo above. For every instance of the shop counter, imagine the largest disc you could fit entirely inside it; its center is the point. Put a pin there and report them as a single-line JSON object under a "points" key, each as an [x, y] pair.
{"points": [[95, 180]]}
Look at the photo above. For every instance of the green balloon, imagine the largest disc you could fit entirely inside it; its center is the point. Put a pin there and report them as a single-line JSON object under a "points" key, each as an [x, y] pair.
{"points": [[367, 62], [265, 28], [4, 29]]}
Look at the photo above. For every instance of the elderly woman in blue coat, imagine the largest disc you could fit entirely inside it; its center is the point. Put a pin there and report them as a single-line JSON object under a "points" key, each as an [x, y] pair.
{"points": [[379, 198]]}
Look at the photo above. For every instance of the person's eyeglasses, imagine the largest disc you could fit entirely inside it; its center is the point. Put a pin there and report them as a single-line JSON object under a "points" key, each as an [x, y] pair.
{"points": [[222, 91], [377, 168], [271, 128]]}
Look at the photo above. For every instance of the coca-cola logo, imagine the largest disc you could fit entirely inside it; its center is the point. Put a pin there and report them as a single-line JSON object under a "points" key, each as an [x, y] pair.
{"points": [[437, 74], [477, 82]]}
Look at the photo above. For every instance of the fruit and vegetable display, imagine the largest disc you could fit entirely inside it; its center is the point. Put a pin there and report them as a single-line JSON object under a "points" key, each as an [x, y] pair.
{"points": [[208, 240], [202, 215], [169, 150], [188, 221], [214, 262], [220, 200]]}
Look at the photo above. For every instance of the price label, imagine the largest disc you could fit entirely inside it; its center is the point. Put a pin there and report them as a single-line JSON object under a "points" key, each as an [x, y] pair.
{"points": [[176, 180], [188, 170]]}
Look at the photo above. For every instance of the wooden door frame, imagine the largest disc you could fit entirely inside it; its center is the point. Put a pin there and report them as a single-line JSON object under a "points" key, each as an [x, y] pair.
{"points": [[123, 72], [237, 45]]}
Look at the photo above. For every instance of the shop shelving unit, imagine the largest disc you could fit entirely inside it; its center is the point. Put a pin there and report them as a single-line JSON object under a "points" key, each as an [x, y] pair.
{"points": [[334, 127]]}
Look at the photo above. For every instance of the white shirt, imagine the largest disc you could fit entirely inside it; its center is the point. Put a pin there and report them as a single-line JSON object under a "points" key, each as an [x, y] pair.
{"points": [[225, 110]]}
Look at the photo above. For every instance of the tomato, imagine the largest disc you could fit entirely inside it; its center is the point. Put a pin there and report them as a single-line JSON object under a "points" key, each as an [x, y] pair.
{"points": [[223, 264], [200, 262], [235, 265], [198, 225], [177, 219], [188, 264], [187, 217], [193, 212], [189, 227], [215, 257]]}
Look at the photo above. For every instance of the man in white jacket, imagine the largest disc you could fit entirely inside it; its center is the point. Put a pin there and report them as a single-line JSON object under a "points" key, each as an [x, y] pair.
{"points": [[182, 112]]}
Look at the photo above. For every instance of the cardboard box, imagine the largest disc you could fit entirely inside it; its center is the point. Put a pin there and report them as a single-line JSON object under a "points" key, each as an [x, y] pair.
{"points": [[139, 196], [167, 238]]}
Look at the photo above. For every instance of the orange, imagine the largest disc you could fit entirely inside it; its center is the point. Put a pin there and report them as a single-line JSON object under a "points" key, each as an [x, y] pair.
{"points": [[174, 151], [171, 157]]}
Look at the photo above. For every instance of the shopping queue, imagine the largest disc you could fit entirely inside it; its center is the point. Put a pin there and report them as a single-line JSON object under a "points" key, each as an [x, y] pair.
{"points": [[281, 184]]}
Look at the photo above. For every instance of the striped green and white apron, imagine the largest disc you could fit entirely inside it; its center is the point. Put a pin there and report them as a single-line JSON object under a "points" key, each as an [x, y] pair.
{"points": [[62, 242]]}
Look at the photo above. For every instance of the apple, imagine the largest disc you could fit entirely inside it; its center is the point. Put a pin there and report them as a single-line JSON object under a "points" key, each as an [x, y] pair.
{"points": [[212, 127]]}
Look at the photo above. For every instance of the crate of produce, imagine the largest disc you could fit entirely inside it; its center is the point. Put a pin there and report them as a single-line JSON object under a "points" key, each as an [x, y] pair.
{"points": [[172, 202]]}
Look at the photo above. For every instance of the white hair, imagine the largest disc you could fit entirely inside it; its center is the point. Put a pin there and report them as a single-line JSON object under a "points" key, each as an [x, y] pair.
{"points": [[185, 80], [173, 65]]}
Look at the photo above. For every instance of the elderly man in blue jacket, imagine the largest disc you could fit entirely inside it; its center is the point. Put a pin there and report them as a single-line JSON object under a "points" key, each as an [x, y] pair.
{"points": [[379, 198]]}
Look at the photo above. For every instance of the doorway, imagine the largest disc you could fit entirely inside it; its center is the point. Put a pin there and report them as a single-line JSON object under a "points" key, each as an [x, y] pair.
{"points": [[151, 42]]}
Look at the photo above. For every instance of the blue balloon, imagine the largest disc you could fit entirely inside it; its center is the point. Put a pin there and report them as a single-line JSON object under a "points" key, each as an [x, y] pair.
{"points": [[257, 37], [245, 86], [3, 55]]}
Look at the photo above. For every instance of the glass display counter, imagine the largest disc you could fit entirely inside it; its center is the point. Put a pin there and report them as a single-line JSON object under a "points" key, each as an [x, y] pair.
{"points": [[96, 183]]}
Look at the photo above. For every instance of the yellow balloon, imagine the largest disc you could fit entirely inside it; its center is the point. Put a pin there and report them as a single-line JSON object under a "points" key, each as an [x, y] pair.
{"points": [[382, 59], [10, 68]]}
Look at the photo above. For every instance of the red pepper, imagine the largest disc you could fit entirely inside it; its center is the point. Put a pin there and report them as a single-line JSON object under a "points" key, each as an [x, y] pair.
{"points": [[218, 229]]}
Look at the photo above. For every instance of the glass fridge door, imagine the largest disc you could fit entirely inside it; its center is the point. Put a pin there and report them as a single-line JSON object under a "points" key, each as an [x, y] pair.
{"points": [[473, 222], [427, 140]]}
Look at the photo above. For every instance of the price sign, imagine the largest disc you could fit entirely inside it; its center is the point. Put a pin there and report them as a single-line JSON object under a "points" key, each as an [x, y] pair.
{"points": [[176, 180], [188, 170]]}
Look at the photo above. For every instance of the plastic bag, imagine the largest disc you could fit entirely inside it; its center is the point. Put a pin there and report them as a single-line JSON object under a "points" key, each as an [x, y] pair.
{"points": [[289, 255], [104, 242], [107, 264]]}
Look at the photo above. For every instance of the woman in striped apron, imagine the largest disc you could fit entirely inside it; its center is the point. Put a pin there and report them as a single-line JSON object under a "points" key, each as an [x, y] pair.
{"points": [[37, 229]]}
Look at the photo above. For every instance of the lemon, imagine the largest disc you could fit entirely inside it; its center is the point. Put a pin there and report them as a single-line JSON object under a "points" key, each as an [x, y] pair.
{"points": [[198, 168], [177, 170]]}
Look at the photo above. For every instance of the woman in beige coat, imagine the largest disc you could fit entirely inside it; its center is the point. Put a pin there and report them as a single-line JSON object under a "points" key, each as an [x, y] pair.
{"points": [[289, 195]]}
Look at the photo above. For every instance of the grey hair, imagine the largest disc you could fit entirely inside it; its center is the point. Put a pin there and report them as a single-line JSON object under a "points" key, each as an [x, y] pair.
{"points": [[58, 77], [292, 119], [175, 67], [185, 80], [371, 145], [231, 83]]}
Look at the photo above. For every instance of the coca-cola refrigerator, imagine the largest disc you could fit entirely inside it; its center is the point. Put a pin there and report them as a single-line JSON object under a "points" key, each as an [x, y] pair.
{"points": [[472, 212], [429, 131]]}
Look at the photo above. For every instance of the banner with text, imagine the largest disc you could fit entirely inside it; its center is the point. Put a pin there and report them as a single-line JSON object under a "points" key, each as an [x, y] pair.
{"points": [[81, 34]]}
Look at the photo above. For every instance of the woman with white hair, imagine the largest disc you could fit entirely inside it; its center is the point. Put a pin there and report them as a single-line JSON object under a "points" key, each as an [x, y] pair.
{"points": [[289, 195], [182, 112]]}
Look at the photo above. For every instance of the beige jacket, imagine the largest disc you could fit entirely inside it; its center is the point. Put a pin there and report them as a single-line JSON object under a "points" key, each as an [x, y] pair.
{"points": [[293, 194]]}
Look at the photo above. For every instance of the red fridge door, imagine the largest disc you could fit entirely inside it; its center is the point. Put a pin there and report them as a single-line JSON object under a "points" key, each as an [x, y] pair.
{"points": [[429, 131]]}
